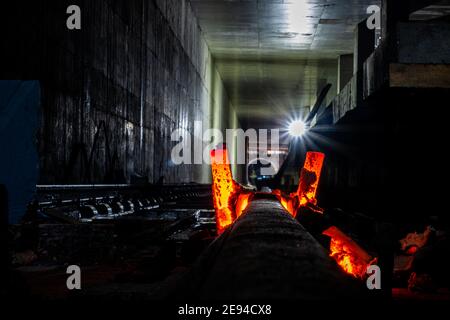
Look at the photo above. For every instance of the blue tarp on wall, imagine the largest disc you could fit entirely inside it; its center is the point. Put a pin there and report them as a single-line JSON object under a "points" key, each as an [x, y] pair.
{"points": [[19, 110]]}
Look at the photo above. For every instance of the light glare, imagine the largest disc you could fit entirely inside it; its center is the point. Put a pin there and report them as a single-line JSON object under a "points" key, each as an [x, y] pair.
{"points": [[297, 128]]}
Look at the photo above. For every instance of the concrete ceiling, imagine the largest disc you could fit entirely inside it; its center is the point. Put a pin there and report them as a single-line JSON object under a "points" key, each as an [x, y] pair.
{"points": [[266, 89], [275, 55], [438, 10]]}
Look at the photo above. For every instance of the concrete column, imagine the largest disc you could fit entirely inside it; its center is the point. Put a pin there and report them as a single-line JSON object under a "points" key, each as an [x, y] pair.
{"points": [[345, 70], [393, 11], [364, 45]]}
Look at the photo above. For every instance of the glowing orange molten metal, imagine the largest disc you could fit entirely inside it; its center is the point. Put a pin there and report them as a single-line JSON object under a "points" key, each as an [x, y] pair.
{"points": [[307, 187], [287, 203], [309, 178], [225, 189], [348, 254], [230, 199], [242, 203]]}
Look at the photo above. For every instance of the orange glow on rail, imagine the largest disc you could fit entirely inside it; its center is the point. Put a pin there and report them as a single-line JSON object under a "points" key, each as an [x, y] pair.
{"points": [[348, 254], [309, 178], [287, 203], [285, 200], [242, 203], [225, 190]]}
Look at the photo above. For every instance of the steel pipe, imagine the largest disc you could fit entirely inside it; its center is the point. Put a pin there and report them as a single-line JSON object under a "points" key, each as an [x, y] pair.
{"points": [[267, 254]]}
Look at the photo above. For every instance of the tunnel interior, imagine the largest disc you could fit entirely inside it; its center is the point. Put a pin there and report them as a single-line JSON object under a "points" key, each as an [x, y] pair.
{"points": [[115, 116]]}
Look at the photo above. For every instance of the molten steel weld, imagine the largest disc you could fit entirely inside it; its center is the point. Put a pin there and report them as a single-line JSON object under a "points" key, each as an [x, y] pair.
{"points": [[242, 203], [348, 254], [288, 204], [230, 200], [309, 178], [225, 189], [307, 187]]}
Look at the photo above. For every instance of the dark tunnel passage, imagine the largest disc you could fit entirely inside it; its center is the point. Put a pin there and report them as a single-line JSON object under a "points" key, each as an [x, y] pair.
{"points": [[195, 150]]}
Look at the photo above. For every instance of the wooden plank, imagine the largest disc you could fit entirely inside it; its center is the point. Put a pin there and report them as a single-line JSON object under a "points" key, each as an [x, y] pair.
{"points": [[419, 75]]}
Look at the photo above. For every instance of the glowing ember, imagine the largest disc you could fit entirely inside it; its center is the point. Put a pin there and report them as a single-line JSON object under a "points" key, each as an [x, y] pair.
{"points": [[225, 190], [415, 239], [412, 250], [346, 259], [348, 254], [309, 178]]}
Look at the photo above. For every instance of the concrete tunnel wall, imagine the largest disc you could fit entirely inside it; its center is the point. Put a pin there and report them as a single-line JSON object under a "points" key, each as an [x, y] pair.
{"points": [[114, 91]]}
